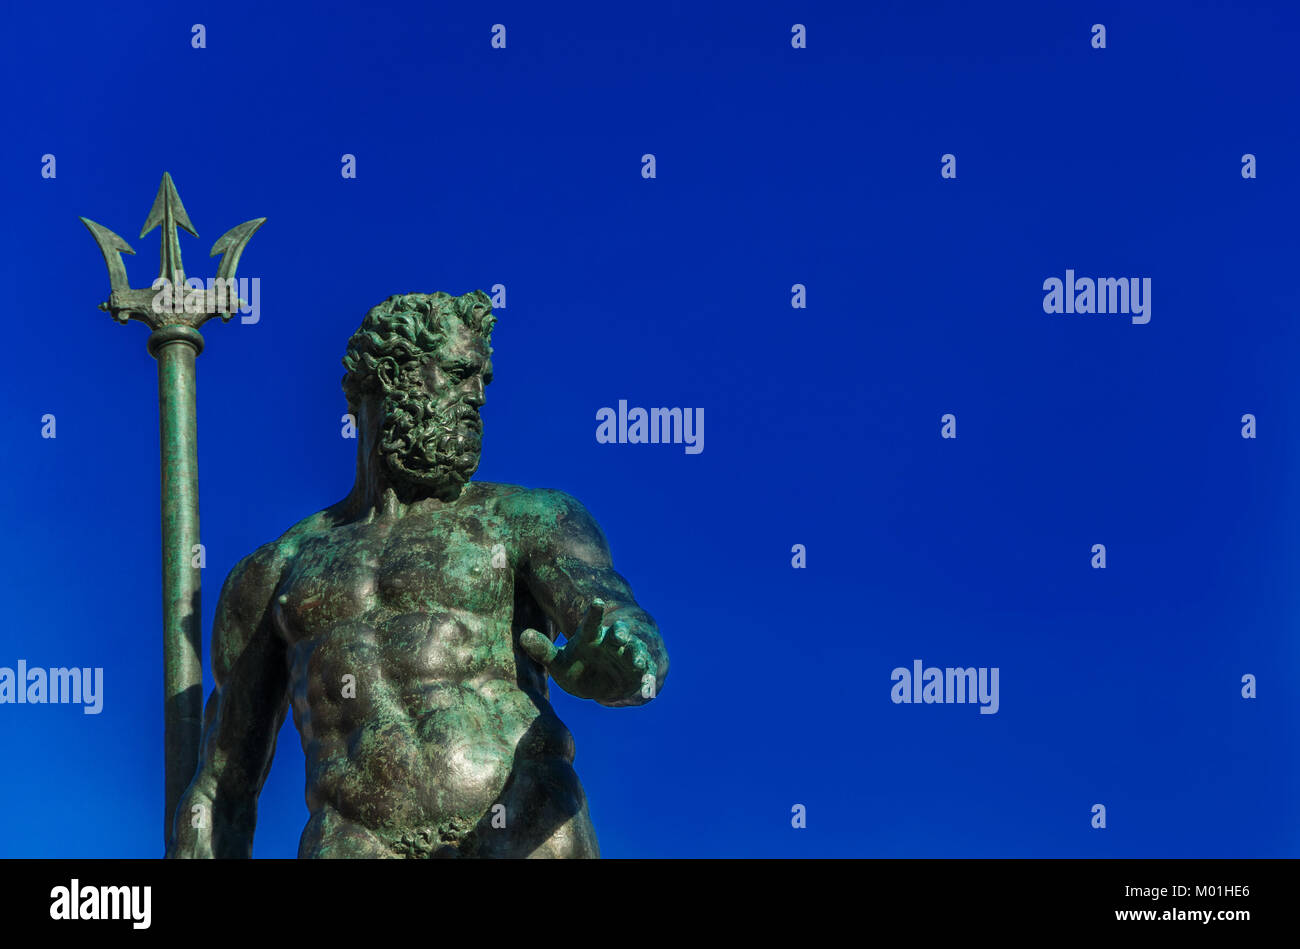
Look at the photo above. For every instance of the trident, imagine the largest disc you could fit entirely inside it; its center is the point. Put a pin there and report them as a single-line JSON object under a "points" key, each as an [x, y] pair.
{"points": [[174, 310]]}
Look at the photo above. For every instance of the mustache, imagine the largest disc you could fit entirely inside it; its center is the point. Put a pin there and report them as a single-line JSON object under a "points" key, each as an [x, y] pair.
{"points": [[463, 413]]}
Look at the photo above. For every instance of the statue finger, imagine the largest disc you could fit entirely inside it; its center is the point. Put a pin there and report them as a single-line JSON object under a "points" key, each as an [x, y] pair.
{"points": [[538, 646], [590, 629]]}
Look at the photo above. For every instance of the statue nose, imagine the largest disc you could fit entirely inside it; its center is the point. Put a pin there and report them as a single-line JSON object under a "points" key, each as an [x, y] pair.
{"points": [[476, 396]]}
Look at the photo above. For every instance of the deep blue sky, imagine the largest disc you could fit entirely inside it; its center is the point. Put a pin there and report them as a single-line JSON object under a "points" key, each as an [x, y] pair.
{"points": [[775, 166]]}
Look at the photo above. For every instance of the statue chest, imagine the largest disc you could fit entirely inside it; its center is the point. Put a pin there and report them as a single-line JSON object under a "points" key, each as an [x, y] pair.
{"points": [[374, 573]]}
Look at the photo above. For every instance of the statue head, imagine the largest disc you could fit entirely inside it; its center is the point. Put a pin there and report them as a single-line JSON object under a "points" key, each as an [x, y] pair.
{"points": [[416, 371]]}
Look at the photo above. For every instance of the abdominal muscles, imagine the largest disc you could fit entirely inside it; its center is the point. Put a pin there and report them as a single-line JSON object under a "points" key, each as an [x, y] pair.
{"points": [[417, 721]]}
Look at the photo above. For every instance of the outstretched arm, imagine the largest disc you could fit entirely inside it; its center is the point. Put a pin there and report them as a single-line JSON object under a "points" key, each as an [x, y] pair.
{"points": [[613, 652], [218, 812]]}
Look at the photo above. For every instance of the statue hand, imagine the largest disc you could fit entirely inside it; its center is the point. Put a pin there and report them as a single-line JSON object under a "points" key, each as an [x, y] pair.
{"points": [[611, 664]]}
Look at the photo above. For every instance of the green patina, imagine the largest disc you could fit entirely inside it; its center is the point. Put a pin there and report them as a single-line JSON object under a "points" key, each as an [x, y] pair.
{"points": [[175, 343], [411, 629]]}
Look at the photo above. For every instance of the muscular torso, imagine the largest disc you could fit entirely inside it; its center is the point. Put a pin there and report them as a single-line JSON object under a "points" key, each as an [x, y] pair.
{"points": [[426, 730]]}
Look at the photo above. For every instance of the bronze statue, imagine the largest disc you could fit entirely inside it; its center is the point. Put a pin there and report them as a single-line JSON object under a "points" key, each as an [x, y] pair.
{"points": [[412, 627]]}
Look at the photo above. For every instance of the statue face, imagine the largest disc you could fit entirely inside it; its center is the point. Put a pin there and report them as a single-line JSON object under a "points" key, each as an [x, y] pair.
{"points": [[431, 433]]}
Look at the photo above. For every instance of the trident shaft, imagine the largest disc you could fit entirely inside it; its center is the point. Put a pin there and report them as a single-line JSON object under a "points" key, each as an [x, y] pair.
{"points": [[175, 311]]}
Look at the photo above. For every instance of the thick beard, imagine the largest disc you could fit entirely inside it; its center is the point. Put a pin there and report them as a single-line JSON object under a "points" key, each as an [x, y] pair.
{"points": [[427, 448]]}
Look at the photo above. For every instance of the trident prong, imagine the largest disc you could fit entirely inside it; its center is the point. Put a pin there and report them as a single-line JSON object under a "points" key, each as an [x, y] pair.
{"points": [[168, 211], [231, 245], [174, 343], [112, 247]]}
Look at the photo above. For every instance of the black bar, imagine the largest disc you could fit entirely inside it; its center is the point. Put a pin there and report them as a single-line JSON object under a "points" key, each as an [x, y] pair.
{"points": [[637, 901]]}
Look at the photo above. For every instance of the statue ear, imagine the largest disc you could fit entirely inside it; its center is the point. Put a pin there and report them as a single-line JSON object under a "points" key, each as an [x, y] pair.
{"points": [[386, 372]]}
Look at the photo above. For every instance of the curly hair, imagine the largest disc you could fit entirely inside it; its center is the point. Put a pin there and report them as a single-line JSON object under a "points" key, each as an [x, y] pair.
{"points": [[405, 327]]}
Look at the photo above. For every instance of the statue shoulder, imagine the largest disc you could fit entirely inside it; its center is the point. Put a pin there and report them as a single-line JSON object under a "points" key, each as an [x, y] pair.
{"points": [[286, 545], [551, 523], [243, 617], [544, 504], [253, 580]]}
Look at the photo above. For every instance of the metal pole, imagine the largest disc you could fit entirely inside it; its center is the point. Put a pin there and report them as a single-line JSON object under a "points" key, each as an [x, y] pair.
{"points": [[174, 313], [175, 349]]}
